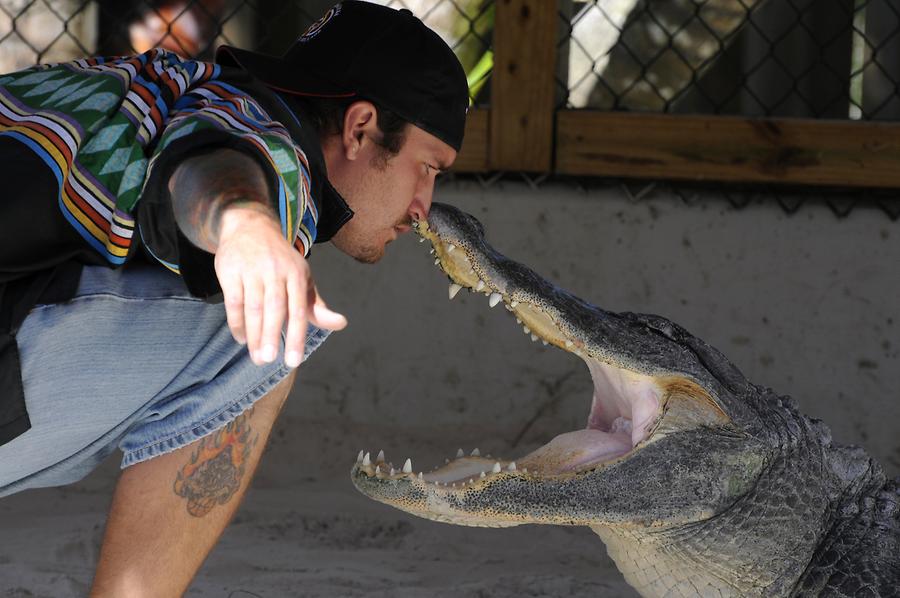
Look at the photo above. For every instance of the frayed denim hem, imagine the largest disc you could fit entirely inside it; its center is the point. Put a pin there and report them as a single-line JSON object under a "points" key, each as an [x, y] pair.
{"points": [[216, 422]]}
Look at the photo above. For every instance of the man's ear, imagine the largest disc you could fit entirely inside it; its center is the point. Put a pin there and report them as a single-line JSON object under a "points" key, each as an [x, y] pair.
{"points": [[360, 128]]}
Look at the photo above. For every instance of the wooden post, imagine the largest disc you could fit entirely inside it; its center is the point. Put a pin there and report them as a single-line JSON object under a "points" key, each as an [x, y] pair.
{"points": [[880, 78], [522, 85]]}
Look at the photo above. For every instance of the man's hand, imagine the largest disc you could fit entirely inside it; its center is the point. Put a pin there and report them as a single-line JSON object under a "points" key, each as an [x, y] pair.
{"points": [[267, 284], [220, 202]]}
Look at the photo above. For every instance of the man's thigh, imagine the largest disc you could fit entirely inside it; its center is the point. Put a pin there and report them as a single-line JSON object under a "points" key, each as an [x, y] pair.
{"points": [[132, 362]]}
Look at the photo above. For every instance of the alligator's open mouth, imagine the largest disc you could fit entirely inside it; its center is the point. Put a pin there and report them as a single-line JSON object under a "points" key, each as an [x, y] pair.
{"points": [[627, 405]]}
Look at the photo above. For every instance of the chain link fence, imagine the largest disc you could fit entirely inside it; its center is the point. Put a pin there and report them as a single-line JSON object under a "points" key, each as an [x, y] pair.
{"points": [[33, 31], [784, 58], [787, 58]]}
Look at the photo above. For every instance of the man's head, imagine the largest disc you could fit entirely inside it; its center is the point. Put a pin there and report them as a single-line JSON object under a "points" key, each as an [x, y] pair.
{"points": [[375, 66], [385, 173]]}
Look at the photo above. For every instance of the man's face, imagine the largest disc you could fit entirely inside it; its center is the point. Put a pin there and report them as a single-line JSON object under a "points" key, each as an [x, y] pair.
{"points": [[387, 192]]}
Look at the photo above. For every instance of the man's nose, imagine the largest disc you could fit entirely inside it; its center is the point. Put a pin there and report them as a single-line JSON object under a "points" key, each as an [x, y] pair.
{"points": [[421, 204]]}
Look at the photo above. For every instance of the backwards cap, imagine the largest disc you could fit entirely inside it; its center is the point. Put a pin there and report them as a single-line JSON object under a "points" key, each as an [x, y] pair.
{"points": [[381, 54]]}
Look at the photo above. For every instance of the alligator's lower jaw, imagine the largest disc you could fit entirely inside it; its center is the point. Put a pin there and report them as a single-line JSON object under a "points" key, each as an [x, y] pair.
{"points": [[624, 411]]}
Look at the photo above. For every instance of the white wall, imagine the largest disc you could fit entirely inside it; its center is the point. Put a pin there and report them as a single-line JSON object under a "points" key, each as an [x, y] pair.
{"points": [[807, 304]]}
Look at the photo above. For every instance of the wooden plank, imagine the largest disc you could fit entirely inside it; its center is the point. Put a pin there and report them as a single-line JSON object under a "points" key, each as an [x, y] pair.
{"points": [[473, 156], [725, 148], [522, 86]]}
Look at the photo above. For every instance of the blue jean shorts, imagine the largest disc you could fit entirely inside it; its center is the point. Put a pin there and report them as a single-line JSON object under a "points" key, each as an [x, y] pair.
{"points": [[132, 362]]}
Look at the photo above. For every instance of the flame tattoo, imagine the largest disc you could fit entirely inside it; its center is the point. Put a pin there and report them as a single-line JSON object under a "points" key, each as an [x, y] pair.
{"points": [[216, 468]]}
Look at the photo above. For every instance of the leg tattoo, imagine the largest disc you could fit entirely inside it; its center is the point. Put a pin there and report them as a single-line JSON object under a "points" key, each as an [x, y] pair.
{"points": [[216, 468]]}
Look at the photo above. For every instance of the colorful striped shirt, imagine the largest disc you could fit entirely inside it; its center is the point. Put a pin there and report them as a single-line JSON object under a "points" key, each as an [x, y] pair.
{"points": [[111, 130]]}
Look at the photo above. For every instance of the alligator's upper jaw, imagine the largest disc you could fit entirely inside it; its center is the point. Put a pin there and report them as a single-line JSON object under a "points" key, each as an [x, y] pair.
{"points": [[626, 408]]}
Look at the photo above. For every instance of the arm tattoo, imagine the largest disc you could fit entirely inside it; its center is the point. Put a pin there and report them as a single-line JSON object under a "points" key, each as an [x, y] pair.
{"points": [[216, 467], [204, 186]]}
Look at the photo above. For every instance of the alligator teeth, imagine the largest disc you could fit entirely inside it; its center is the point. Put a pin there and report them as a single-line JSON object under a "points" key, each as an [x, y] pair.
{"points": [[366, 461], [513, 303], [511, 466], [480, 285], [496, 468], [407, 467], [431, 251], [545, 342], [568, 344], [392, 472], [359, 457], [476, 452], [450, 247], [518, 321], [526, 329], [377, 470], [421, 239], [437, 261], [534, 337], [459, 453], [495, 299], [454, 289], [420, 476], [380, 457]]}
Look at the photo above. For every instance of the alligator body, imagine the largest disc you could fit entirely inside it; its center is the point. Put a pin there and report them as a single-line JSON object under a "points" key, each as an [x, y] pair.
{"points": [[698, 481]]}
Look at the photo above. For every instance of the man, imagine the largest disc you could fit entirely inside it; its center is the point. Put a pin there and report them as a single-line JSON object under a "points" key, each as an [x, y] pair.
{"points": [[217, 172]]}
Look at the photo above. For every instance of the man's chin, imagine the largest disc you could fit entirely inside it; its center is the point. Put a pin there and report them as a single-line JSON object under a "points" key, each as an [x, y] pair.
{"points": [[367, 259], [368, 255]]}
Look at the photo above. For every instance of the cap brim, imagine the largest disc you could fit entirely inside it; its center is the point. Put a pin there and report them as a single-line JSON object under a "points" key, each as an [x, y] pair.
{"points": [[272, 71]]}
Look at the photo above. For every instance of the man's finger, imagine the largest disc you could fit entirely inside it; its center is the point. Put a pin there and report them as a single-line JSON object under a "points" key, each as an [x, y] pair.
{"points": [[233, 295], [254, 296], [273, 319], [295, 334]]}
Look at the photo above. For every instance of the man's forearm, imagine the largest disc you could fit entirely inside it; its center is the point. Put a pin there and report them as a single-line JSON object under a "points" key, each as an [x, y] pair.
{"points": [[204, 187]]}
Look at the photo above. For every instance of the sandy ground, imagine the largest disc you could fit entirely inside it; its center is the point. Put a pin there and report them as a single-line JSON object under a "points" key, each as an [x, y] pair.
{"points": [[305, 531]]}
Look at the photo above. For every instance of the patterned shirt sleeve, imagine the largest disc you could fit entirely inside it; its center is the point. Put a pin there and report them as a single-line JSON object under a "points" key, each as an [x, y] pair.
{"points": [[214, 116]]}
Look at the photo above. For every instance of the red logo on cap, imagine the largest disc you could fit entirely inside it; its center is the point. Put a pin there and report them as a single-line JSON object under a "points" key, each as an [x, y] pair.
{"points": [[316, 27]]}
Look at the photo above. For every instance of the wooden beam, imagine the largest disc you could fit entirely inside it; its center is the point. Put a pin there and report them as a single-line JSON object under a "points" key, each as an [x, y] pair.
{"points": [[522, 85], [473, 156], [725, 148]]}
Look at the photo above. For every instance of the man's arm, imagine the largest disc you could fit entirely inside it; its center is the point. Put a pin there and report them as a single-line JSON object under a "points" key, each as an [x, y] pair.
{"points": [[221, 204]]}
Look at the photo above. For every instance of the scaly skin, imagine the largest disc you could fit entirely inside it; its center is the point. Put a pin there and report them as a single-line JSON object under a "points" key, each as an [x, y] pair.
{"points": [[699, 482]]}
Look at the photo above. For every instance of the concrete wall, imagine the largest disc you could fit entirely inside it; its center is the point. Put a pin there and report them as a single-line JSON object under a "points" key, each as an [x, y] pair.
{"points": [[807, 304]]}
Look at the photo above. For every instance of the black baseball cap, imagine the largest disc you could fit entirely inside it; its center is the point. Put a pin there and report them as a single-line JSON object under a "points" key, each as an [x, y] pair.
{"points": [[378, 53]]}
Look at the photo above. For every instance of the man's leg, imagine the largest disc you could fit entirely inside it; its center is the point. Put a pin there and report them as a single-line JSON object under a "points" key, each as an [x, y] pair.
{"points": [[167, 513]]}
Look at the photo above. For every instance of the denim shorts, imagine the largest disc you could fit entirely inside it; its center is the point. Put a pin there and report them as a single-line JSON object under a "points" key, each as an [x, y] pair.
{"points": [[132, 362]]}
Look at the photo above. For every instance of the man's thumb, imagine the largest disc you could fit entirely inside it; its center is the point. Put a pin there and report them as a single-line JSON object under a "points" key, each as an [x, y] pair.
{"points": [[323, 317]]}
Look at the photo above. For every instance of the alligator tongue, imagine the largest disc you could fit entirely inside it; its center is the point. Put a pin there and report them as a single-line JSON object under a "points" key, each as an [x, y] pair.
{"points": [[460, 470], [573, 450]]}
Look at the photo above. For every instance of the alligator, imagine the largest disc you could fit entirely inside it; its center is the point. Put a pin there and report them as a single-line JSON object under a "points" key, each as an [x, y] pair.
{"points": [[698, 481]]}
